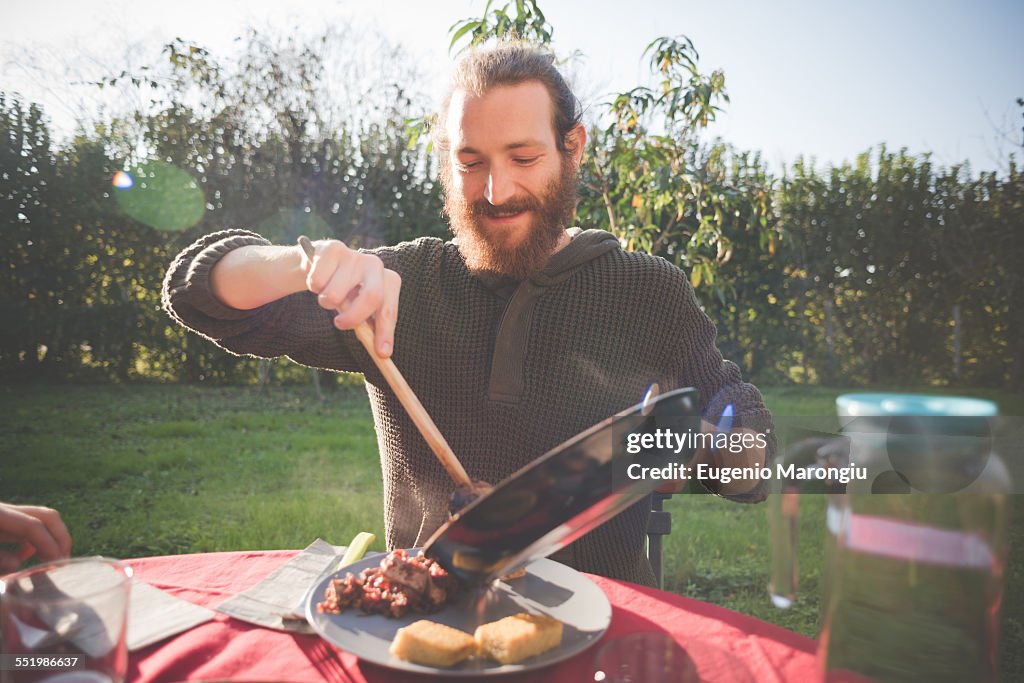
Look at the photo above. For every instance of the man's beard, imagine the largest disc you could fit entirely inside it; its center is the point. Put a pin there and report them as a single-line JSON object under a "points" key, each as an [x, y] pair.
{"points": [[484, 249]]}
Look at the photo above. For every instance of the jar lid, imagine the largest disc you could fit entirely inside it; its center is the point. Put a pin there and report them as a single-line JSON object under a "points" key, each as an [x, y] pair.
{"points": [[868, 404]]}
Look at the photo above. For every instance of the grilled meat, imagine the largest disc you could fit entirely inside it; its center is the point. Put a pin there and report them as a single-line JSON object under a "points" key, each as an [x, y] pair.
{"points": [[398, 585]]}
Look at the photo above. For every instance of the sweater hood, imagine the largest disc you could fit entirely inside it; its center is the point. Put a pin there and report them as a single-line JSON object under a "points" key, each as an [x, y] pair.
{"points": [[586, 245]]}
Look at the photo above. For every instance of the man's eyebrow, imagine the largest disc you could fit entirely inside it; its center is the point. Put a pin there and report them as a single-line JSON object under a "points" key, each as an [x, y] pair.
{"points": [[512, 145], [525, 143]]}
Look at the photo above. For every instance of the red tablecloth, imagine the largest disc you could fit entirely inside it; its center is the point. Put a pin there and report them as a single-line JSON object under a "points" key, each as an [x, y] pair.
{"points": [[229, 649]]}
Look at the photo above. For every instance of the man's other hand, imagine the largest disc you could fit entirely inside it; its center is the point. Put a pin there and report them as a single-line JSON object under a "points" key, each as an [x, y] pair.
{"points": [[748, 457]]}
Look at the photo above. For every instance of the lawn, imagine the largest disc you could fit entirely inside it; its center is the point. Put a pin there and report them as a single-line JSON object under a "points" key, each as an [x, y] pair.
{"points": [[142, 470]]}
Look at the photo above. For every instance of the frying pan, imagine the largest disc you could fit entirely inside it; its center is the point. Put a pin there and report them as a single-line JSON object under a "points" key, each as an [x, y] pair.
{"points": [[566, 492]]}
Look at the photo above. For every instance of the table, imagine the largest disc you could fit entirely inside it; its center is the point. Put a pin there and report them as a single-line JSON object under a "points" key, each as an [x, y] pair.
{"points": [[229, 649]]}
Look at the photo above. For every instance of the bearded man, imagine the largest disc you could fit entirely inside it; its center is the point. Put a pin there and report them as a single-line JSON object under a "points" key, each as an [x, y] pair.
{"points": [[516, 335]]}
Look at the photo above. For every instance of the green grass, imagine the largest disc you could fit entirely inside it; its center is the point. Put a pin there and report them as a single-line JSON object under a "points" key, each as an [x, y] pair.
{"points": [[144, 470]]}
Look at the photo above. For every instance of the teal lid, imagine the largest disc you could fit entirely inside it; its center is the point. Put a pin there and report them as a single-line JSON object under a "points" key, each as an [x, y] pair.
{"points": [[857, 405]]}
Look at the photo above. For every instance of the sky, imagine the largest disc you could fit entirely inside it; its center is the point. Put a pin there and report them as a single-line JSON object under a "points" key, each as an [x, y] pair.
{"points": [[826, 79]]}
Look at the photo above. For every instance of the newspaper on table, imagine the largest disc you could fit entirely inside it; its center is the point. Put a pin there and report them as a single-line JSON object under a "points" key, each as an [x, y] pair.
{"points": [[70, 600], [154, 615], [278, 601]]}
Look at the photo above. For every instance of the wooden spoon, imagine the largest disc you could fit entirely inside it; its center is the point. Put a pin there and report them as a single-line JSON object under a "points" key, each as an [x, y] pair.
{"points": [[406, 396]]}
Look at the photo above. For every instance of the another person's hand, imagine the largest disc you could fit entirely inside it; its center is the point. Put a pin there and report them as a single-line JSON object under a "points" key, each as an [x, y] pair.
{"points": [[37, 531], [358, 287], [750, 456]]}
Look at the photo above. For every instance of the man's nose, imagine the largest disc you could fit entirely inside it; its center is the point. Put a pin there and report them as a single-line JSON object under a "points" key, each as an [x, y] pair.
{"points": [[500, 187]]}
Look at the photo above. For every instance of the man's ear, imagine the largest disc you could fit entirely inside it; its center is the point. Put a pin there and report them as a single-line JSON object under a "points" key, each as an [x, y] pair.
{"points": [[575, 142]]}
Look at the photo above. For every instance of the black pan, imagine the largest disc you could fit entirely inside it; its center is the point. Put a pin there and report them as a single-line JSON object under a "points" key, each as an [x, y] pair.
{"points": [[563, 494]]}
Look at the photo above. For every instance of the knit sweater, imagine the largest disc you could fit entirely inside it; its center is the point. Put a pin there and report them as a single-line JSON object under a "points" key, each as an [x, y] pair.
{"points": [[505, 380]]}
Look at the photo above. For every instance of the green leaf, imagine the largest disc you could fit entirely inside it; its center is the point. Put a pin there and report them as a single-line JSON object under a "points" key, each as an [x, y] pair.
{"points": [[463, 30], [540, 17], [695, 276]]}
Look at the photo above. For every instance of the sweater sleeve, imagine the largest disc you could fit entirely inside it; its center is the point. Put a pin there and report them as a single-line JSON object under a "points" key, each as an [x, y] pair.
{"points": [[700, 364], [294, 326]]}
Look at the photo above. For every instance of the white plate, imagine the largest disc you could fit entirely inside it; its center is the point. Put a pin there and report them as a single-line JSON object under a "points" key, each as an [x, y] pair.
{"points": [[548, 588]]}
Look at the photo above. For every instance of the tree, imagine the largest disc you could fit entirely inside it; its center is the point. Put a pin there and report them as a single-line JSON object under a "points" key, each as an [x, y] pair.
{"points": [[646, 178], [888, 269], [263, 145]]}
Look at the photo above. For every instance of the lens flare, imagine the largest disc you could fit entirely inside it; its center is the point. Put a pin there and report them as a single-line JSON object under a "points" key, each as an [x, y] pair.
{"points": [[161, 196], [650, 398], [123, 180], [725, 424], [286, 224]]}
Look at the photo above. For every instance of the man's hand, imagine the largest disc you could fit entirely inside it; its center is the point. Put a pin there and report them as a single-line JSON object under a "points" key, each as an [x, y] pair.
{"points": [[37, 531], [751, 456], [748, 457], [358, 287]]}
